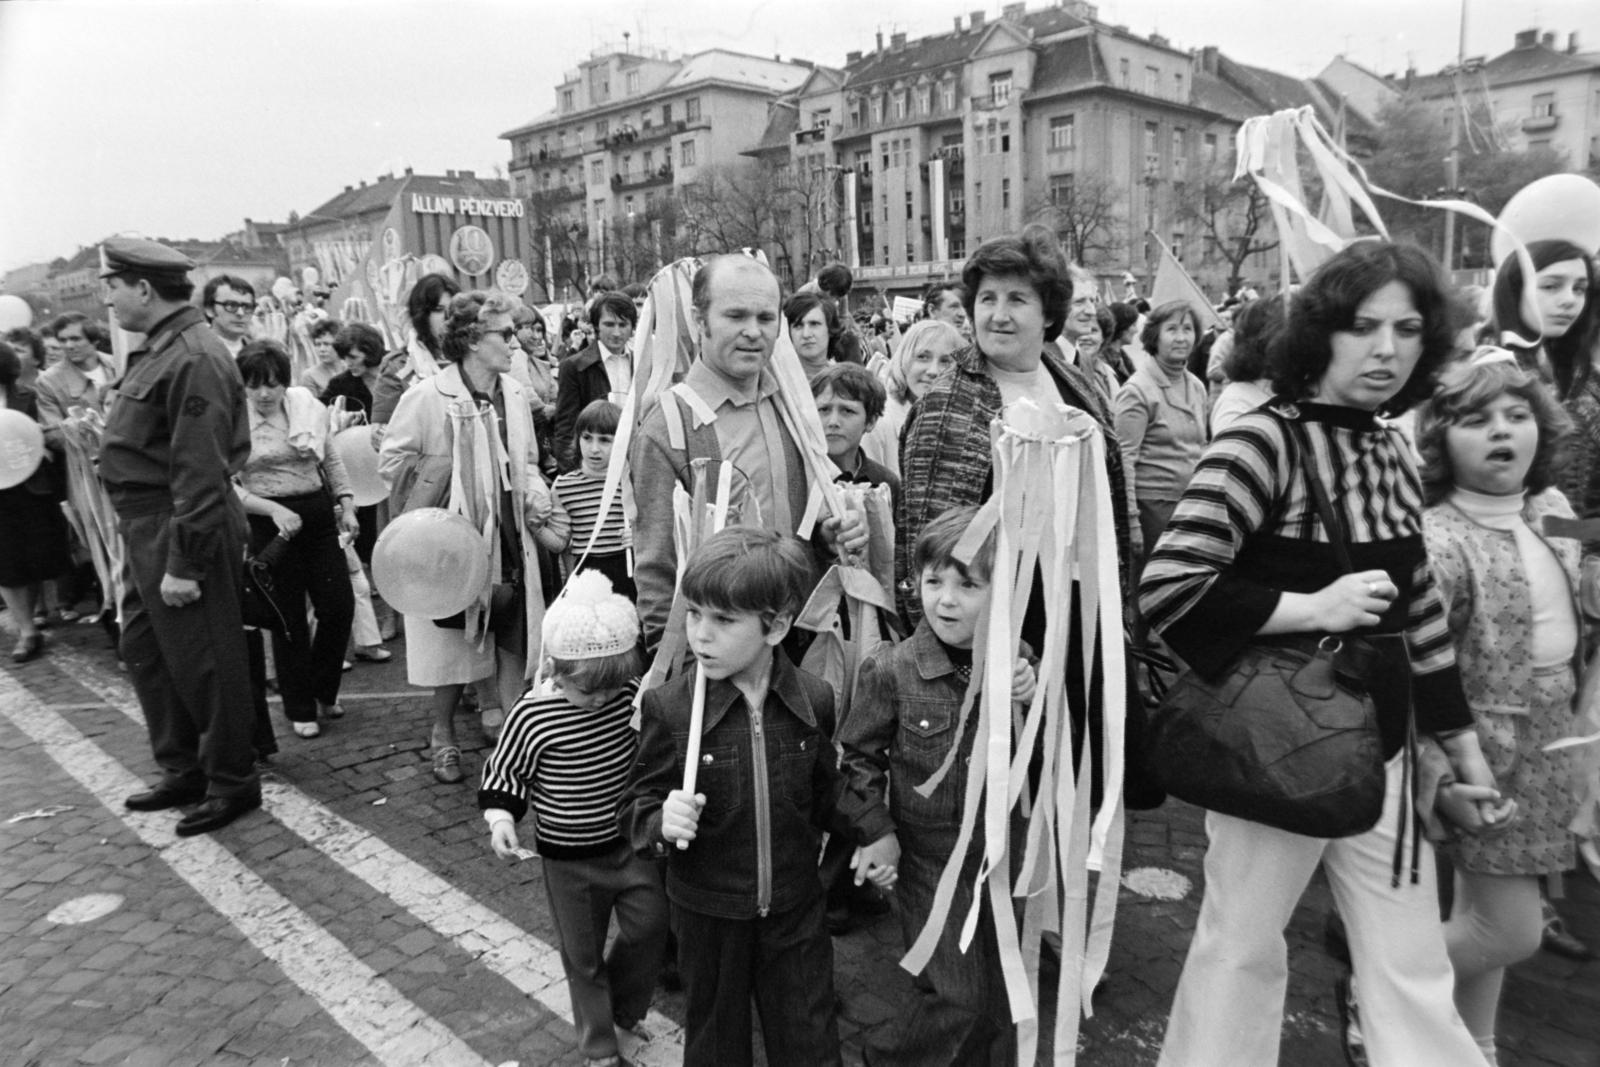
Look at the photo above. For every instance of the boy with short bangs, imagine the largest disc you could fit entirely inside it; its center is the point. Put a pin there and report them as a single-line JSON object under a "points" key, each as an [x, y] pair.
{"points": [[742, 851], [901, 727], [568, 756], [850, 401], [575, 504]]}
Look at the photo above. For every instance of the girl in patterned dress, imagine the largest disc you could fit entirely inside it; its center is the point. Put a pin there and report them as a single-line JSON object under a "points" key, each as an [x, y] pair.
{"points": [[1489, 439]]}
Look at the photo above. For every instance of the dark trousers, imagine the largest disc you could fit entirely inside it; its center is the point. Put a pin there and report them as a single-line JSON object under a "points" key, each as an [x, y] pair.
{"points": [[614, 565], [312, 565], [266, 741], [604, 985], [188, 665], [785, 959]]}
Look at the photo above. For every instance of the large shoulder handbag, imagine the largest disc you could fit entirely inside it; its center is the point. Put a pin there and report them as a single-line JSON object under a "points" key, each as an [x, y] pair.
{"points": [[1287, 736], [260, 604]]}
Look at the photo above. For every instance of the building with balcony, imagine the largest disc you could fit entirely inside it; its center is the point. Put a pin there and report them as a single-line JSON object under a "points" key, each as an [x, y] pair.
{"points": [[1540, 94], [1046, 115], [628, 128]]}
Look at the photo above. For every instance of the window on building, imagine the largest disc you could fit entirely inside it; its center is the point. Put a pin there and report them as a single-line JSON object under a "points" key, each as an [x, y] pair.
{"points": [[1152, 80], [877, 110], [1152, 149], [855, 114], [599, 210], [686, 154], [947, 96], [544, 180], [627, 205], [1005, 137], [886, 255], [1000, 87], [1005, 194], [910, 204], [601, 128], [900, 103], [884, 146], [821, 118], [925, 100], [627, 168], [691, 109], [958, 199], [1177, 86], [1208, 150], [958, 247], [1544, 105], [649, 201], [666, 114], [994, 138], [977, 197], [1063, 133], [632, 82], [649, 162], [1061, 190], [567, 99], [597, 172], [893, 159], [911, 252], [1180, 160], [1124, 74], [884, 201], [1177, 245]]}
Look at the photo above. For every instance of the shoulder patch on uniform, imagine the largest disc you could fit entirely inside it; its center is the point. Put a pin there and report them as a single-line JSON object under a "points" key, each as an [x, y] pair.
{"points": [[195, 406]]}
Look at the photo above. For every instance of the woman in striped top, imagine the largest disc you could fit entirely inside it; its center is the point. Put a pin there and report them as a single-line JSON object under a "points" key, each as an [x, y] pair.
{"points": [[1245, 557], [575, 497]]}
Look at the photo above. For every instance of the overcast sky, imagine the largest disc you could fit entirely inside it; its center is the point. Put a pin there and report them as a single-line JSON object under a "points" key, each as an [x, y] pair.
{"points": [[180, 119]]}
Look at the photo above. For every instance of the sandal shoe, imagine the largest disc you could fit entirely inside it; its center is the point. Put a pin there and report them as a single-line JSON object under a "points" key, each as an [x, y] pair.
{"points": [[29, 647], [374, 654], [331, 711], [306, 729], [447, 764]]}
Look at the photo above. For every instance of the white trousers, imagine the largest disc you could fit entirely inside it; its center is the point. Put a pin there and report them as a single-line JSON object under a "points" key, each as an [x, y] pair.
{"points": [[1229, 1008], [364, 625]]}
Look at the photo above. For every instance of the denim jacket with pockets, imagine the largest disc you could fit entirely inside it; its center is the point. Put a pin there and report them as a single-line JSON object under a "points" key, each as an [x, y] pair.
{"points": [[901, 726], [760, 833]]}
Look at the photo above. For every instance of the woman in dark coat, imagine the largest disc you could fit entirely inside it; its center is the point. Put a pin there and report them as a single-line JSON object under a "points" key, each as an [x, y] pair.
{"points": [[33, 530]]}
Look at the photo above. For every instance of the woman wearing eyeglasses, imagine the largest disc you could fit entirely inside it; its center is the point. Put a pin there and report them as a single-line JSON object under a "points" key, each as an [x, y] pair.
{"points": [[417, 461]]}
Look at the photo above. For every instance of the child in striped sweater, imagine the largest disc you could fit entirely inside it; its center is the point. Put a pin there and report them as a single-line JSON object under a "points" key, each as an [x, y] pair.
{"points": [[575, 496], [568, 757]]}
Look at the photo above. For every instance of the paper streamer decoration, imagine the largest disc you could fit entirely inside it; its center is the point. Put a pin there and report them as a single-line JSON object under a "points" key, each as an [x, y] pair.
{"points": [[88, 505], [1052, 507]]}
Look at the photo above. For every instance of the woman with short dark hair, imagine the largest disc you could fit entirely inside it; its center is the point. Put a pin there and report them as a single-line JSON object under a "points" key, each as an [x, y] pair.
{"points": [[327, 367], [294, 485], [426, 307], [1245, 560], [814, 329]]}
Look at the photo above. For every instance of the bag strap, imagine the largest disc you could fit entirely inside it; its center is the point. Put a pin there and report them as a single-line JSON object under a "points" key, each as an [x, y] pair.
{"points": [[1319, 494]]}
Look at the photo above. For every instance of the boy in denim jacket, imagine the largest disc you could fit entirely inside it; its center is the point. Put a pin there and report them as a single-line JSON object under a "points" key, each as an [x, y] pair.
{"points": [[747, 904], [902, 725]]}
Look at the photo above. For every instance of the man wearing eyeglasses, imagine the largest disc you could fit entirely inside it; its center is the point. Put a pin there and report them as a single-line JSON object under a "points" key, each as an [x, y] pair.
{"points": [[229, 303]]}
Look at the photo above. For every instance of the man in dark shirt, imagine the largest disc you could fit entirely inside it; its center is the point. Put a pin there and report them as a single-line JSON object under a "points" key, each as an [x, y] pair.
{"points": [[176, 432]]}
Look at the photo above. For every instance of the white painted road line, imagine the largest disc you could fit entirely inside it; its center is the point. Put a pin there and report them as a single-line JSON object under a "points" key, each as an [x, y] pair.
{"points": [[376, 1014], [528, 963]]}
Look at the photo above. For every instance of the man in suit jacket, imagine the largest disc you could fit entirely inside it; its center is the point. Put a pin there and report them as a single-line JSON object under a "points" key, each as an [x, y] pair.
{"points": [[603, 368]]}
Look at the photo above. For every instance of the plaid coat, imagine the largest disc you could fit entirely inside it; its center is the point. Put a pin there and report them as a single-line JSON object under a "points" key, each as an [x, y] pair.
{"points": [[945, 457]]}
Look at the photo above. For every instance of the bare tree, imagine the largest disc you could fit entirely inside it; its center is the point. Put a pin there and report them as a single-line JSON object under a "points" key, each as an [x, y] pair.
{"points": [[727, 208], [1234, 218], [558, 238], [1085, 212]]}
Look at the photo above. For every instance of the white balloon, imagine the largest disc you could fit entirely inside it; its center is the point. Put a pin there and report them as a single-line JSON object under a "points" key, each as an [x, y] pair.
{"points": [[354, 446], [1562, 207], [14, 312], [430, 562], [21, 448]]}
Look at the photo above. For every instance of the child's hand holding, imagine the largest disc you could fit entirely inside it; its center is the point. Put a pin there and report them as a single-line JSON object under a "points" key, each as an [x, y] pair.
{"points": [[1475, 809], [1023, 682], [878, 861], [503, 839], [680, 816]]}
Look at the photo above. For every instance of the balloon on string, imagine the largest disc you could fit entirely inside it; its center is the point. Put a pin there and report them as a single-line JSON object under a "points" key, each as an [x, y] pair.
{"points": [[21, 448], [15, 312], [1562, 207], [354, 446], [430, 563], [309, 277]]}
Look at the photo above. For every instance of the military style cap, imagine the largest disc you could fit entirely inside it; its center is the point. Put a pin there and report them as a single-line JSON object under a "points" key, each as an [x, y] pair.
{"points": [[121, 255]]}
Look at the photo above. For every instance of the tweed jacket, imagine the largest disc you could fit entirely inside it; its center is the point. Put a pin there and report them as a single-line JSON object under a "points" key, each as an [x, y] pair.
{"points": [[1485, 590], [945, 458]]}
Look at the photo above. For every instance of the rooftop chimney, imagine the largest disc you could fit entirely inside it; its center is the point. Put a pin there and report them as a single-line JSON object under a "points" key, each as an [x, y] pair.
{"points": [[449, 174], [1548, 39], [1572, 43], [1013, 11], [958, 25], [1208, 59], [466, 174], [1157, 39], [349, 188], [852, 58], [1527, 39], [408, 170], [897, 42], [976, 18], [880, 42]]}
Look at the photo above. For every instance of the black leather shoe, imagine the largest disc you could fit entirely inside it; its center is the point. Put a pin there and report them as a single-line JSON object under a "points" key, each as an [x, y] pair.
{"points": [[161, 798], [216, 813], [1556, 938]]}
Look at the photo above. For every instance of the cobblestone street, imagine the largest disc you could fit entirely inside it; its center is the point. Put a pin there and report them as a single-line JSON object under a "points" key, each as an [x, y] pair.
{"points": [[360, 917]]}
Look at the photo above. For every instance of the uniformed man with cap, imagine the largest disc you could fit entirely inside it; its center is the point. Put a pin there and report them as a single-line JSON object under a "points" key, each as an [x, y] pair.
{"points": [[176, 433]]}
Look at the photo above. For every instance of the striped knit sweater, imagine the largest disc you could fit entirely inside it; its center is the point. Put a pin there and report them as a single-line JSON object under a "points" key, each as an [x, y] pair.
{"points": [[571, 765], [1246, 531], [578, 494]]}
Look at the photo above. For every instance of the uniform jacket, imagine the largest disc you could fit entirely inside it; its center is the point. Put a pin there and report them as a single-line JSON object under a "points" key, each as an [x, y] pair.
{"points": [[64, 387], [771, 784], [902, 724], [1485, 592], [945, 457], [416, 457], [582, 381], [176, 434]]}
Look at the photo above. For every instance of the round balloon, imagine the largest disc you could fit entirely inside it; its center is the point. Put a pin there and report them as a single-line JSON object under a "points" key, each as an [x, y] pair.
{"points": [[430, 563], [21, 447], [1559, 207], [15, 312], [354, 446]]}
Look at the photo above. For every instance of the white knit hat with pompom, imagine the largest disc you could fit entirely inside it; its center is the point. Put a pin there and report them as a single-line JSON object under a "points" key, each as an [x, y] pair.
{"points": [[589, 621]]}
